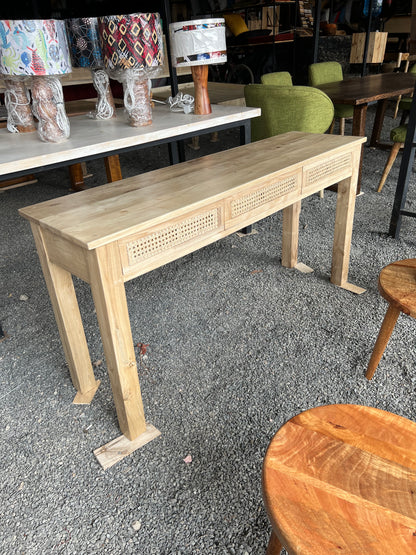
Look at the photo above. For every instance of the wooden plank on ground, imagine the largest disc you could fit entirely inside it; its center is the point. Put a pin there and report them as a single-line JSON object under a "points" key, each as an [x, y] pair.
{"points": [[112, 452]]}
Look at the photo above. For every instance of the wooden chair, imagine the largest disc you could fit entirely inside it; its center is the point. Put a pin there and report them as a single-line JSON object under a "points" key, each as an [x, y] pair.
{"points": [[398, 136], [397, 284], [329, 72]]}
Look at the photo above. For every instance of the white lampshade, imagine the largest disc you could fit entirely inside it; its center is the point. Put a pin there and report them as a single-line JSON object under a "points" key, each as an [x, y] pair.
{"points": [[198, 42]]}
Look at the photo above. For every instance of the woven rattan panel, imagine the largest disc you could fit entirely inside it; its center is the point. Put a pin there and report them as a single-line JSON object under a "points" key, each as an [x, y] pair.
{"points": [[328, 168], [264, 195], [173, 235]]}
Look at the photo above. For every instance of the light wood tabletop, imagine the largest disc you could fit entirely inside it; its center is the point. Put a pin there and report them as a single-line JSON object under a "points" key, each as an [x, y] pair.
{"points": [[342, 479]]}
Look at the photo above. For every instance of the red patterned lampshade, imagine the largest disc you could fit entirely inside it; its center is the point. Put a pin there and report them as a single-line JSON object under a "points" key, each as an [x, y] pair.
{"points": [[132, 47], [131, 41]]}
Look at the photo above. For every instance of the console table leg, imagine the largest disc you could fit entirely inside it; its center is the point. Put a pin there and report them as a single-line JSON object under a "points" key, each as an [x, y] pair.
{"points": [[65, 306], [290, 235], [107, 285], [344, 217], [358, 129]]}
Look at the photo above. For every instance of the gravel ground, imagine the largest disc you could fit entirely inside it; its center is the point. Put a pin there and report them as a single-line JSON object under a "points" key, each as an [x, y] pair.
{"points": [[237, 345]]}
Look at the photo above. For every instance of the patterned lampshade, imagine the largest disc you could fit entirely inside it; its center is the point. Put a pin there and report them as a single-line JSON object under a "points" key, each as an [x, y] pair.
{"points": [[84, 42], [131, 41], [198, 42], [34, 47]]}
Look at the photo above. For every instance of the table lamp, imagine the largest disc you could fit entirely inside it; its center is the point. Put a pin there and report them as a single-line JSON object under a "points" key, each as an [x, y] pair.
{"points": [[16, 95], [85, 47], [38, 49], [197, 44], [132, 48]]}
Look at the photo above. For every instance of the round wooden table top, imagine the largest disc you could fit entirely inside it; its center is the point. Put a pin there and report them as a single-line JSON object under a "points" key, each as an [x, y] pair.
{"points": [[342, 479], [397, 284]]}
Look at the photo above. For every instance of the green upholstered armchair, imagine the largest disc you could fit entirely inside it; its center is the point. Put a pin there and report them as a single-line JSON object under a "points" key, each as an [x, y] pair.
{"points": [[329, 72], [278, 78], [293, 108]]}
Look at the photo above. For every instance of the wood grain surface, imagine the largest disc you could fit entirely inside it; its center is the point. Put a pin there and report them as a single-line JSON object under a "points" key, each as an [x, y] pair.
{"points": [[119, 209], [397, 284], [361, 90], [342, 479]]}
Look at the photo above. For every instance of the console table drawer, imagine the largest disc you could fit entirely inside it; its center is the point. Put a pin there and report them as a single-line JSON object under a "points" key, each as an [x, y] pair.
{"points": [[264, 199], [154, 247], [327, 172]]}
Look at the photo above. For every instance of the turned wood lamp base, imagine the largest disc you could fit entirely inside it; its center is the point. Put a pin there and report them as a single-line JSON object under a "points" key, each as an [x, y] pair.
{"points": [[200, 77]]}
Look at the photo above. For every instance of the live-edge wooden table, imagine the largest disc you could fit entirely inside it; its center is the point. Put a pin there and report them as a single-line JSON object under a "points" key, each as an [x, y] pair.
{"points": [[360, 91], [113, 233]]}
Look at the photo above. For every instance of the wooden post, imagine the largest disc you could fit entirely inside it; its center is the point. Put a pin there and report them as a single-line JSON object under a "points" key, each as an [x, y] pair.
{"points": [[412, 41], [76, 175]]}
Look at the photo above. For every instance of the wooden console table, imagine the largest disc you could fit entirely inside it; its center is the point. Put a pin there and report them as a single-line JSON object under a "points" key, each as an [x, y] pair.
{"points": [[113, 233]]}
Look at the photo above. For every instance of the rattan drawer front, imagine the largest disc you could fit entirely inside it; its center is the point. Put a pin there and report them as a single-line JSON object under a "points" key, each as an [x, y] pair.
{"points": [[167, 242], [326, 173], [263, 199]]}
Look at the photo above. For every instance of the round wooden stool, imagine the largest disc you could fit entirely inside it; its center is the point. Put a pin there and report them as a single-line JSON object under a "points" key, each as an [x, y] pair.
{"points": [[397, 284], [342, 479]]}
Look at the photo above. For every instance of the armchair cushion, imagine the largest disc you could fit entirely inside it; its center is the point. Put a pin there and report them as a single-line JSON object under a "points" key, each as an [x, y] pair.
{"points": [[398, 134], [295, 108], [278, 78], [324, 72]]}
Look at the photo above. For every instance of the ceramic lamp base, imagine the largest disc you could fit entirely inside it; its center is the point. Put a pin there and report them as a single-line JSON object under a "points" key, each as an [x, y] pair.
{"points": [[105, 108], [19, 112], [200, 77], [137, 101], [49, 108]]}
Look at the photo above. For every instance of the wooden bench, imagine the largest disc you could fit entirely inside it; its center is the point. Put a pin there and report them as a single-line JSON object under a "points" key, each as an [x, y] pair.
{"points": [[116, 232]]}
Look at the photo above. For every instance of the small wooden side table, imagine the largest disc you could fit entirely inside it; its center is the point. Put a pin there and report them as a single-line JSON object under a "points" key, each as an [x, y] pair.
{"points": [[342, 479], [396, 284]]}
